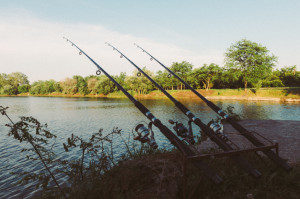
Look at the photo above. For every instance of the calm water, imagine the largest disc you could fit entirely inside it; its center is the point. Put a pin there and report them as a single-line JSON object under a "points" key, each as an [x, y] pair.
{"points": [[84, 116]]}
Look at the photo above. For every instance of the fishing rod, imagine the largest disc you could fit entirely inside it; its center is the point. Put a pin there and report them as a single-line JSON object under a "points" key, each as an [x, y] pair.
{"points": [[181, 146], [244, 132], [209, 132]]}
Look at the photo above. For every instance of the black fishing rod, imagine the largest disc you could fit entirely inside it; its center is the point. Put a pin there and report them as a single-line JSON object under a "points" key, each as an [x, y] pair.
{"points": [[181, 146], [247, 134], [209, 132]]}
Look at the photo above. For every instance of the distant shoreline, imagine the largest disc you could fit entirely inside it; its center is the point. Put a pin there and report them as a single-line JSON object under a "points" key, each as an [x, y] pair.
{"points": [[213, 94]]}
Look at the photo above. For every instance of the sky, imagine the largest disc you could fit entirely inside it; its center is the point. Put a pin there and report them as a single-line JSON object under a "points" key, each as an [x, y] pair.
{"points": [[199, 32]]}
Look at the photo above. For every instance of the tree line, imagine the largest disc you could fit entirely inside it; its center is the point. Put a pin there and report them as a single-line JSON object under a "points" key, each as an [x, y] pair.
{"points": [[247, 64]]}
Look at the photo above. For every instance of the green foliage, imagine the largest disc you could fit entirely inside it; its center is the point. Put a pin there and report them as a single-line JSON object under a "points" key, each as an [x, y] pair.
{"points": [[139, 83], [183, 70], [24, 88], [289, 76], [9, 83], [104, 85], [252, 59], [81, 84], [205, 75], [9, 90], [69, 86], [45, 87]]}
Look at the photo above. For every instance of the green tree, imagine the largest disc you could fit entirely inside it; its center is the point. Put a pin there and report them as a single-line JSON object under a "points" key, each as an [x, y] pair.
{"points": [[23, 88], [3, 80], [121, 80], [69, 86], [140, 84], [253, 60], [289, 76], [182, 69], [229, 78], [92, 84], [81, 84], [164, 79], [9, 90], [104, 85], [206, 75]]}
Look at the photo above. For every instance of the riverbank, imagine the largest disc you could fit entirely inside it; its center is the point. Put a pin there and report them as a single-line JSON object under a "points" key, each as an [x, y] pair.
{"points": [[160, 174], [264, 94]]}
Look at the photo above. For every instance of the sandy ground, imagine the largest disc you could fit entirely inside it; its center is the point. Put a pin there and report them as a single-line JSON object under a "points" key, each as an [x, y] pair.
{"points": [[285, 132]]}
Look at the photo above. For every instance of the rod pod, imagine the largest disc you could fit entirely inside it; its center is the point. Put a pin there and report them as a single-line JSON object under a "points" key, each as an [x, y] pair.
{"points": [[209, 132], [181, 146], [243, 131]]}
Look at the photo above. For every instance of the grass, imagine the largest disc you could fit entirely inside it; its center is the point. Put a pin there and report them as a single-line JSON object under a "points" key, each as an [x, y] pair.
{"points": [[159, 175], [280, 93]]}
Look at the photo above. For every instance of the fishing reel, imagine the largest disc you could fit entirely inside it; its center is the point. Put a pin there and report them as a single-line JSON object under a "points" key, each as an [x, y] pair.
{"points": [[143, 135], [182, 131], [217, 127]]}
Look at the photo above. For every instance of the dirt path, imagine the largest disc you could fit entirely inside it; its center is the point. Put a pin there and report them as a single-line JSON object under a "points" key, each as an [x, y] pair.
{"points": [[284, 132]]}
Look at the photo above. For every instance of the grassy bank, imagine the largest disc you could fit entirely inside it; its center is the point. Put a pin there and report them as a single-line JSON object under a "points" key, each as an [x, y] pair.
{"points": [[160, 175], [261, 94], [274, 94]]}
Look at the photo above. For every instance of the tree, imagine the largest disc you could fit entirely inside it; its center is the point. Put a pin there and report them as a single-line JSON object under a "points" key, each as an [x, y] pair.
{"points": [[105, 85], [164, 79], [81, 85], [253, 60], [289, 76], [3, 80], [121, 80], [206, 75], [9, 90], [140, 83], [23, 88], [182, 69], [91, 84], [69, 86]]}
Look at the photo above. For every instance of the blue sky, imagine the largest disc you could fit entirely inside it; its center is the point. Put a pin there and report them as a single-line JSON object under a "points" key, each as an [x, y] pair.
{"points": [[198, 31]]}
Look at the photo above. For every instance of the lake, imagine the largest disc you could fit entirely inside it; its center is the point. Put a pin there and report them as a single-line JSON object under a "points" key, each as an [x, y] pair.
{"points": [[84, 116]]}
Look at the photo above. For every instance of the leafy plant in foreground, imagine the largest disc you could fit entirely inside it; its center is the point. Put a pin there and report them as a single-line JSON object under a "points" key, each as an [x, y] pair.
{"points": [[30, 130]]}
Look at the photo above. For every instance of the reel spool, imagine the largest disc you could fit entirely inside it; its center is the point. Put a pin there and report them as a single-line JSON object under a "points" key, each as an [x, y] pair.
{"points": [[218, 129], [143, 135], [182, 131], [179, 128]]}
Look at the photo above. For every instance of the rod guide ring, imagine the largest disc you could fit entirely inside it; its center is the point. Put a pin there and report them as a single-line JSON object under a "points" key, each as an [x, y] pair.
{"points": [[98, 72]]}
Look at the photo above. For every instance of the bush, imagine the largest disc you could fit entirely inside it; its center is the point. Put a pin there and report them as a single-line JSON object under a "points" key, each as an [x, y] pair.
{"points": [[24, 88], [273, 83], [9, 90]]}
